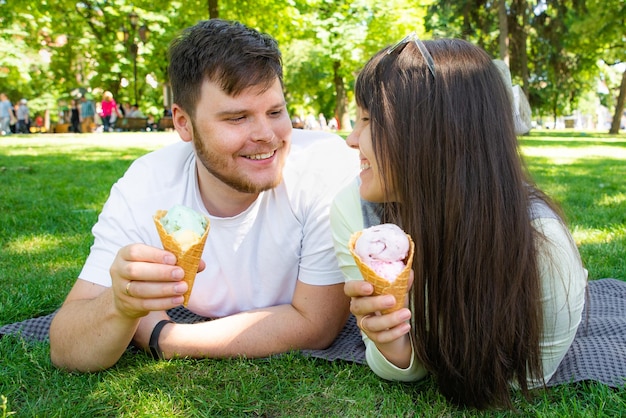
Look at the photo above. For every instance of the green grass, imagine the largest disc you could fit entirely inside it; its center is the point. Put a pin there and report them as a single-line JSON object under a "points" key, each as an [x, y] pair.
{"points": [[51, 190], [586, 175]]}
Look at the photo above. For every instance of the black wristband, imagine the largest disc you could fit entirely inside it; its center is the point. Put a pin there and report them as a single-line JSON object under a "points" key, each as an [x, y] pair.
{"points": [[157, 354]]}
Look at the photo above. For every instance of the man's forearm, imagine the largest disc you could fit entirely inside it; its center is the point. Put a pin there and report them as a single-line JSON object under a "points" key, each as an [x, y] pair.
{"points": [[87, 335], [258, 333]]}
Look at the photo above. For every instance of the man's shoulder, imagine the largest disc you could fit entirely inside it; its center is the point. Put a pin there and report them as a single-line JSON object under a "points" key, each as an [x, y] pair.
{"points": [[307, 145], [304, 137], [158, 175], [165, 166], [320, 161], [168, 157]]}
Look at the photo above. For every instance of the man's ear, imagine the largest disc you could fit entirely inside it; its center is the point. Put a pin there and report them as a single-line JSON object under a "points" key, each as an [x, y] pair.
{"points": [[182, 123]]}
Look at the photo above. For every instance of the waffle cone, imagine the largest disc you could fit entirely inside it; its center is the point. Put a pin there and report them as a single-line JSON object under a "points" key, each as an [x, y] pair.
{"points": [[188, 259], [397, 288]]}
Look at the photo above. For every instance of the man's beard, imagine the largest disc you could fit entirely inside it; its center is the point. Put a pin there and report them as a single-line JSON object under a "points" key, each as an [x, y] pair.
{"points": [[216, 165]]}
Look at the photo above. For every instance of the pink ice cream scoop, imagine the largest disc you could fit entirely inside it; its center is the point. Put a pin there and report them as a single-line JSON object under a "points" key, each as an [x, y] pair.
{"points": [[383, 248]]}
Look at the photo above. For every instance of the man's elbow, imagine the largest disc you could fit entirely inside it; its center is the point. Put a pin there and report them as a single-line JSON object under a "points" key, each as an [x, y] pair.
{"points": [[58, 355], [67, 363], [64, 358], [59, 358], [60, 361], [326, 334], [323, 342]]}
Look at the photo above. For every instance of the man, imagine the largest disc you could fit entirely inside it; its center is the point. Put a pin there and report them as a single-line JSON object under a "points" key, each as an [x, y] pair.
{"points": [[134, 112], [87, 112], [269, 271], [23, 117], [6, 113]]}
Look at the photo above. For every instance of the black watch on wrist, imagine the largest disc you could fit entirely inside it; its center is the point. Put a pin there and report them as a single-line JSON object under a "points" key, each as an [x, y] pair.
{"points": [[155, 350]]}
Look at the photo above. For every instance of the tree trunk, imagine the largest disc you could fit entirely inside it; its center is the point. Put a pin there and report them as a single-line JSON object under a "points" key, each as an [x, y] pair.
{"points": [[214, 11], [519, 27], [524, 52], [504, 31], [341, 109], [619, 107]]}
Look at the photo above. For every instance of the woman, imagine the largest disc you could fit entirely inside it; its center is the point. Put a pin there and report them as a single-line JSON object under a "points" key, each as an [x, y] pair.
{"points": [[496, 271], [109, 108]]}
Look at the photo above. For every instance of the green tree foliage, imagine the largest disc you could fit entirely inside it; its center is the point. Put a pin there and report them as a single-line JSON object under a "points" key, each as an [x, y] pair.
{"points": [[339, 37], [51, 48], [563, 67], [602, 32], [552, 44]]}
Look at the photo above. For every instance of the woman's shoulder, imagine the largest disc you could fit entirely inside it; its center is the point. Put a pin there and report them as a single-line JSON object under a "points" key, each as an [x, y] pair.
{"points": [[348, 196], [539, 208], [346, 207]]}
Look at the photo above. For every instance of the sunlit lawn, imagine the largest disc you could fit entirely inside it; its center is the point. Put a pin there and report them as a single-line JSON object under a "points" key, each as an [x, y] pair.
{"points": [[51, 190], [586, 175]]}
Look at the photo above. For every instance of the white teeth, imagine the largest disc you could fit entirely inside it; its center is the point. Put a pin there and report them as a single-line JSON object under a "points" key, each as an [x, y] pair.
{"points": [[260, 156], [365, 166]]}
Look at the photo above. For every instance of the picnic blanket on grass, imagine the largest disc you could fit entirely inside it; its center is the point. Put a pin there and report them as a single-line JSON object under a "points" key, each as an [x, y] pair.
{"points": [[598, 352]]}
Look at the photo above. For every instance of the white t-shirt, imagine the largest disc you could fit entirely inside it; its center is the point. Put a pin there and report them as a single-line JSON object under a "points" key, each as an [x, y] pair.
{"points": [[253, 259]]}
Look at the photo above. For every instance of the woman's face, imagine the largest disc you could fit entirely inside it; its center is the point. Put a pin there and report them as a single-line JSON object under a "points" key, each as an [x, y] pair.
{"points": [[371, 180]]}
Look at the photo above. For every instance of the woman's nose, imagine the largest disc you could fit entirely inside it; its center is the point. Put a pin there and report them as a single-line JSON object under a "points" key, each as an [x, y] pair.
{"points": [[353, 139]]}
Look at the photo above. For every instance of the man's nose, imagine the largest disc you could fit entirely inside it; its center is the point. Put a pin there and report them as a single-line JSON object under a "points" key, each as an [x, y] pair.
{"points": [[263, 130]]}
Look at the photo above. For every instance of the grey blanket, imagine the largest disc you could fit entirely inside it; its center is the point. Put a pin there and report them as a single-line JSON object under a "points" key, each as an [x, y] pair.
{"points": [[598, 352]]}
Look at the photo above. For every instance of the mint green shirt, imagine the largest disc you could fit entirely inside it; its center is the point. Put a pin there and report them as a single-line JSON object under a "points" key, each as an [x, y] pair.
{"points": [[563, 287]]}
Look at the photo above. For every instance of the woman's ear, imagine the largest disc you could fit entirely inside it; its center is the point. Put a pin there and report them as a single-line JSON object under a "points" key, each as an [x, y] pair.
{"points": [[182, 123]]}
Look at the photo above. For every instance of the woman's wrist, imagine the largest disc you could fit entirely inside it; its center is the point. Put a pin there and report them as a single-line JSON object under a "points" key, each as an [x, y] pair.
{"points": [[398, 352]]}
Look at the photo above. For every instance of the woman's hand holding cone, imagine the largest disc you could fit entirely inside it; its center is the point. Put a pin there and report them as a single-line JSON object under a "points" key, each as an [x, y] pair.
{"points": [[390, 332]]}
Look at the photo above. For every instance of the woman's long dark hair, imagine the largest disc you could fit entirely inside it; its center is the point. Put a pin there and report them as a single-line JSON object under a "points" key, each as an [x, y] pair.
{"points": [[447, 147]]}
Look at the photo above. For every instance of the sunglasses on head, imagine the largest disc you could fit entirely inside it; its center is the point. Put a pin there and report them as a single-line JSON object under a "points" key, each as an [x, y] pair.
{"points": [[412, 37]]}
